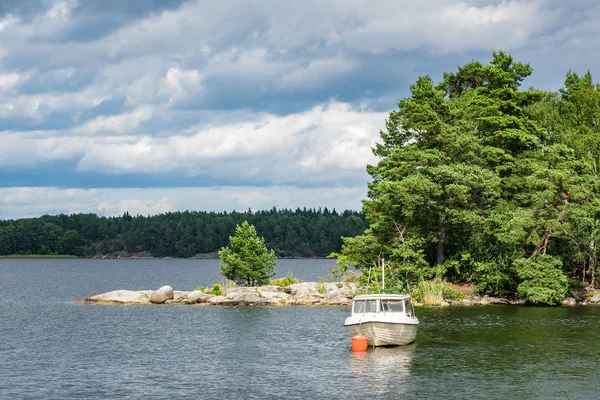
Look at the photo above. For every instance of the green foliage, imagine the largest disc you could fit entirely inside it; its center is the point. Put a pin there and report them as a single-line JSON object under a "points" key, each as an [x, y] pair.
{"points": [[475, 172], [299, 233], [287, 280], [246, 259], [493, 278], [321, 288], [542, 281], [451, 293], [429, 292], [216, 289], [433, 292]]}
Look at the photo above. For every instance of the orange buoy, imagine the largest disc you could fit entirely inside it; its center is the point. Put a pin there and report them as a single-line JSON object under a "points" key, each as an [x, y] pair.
{"points": [[359, 343]]}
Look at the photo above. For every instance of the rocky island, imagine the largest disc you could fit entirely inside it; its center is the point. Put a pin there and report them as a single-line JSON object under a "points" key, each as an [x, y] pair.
{"points": [[305, 293]]}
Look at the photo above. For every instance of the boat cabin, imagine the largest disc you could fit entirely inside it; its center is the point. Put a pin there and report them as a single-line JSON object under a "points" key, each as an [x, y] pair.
{"points": [[396, 304]]}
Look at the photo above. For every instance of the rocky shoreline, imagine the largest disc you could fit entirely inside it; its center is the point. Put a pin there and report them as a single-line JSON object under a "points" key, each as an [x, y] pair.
{"points": [[305, 293]]}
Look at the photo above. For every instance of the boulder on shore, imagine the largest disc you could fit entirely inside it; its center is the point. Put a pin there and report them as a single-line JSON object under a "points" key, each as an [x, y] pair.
{"points": [[162, 295], [569, 301], [595, 298], [118, 297]]}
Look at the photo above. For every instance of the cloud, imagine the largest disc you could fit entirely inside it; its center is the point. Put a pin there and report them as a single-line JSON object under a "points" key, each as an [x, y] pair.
{"points": [[267, 93], [20, 202], [325, 145], [117, 124], [321, 145], [9, 80]]}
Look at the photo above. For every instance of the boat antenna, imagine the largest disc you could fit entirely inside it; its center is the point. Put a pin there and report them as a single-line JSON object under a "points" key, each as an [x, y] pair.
{"points": [[383, 275]]}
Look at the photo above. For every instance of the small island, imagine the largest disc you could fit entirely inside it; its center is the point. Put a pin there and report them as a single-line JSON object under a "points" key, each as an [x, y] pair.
{"points": [[305, 293], [248, 268]]}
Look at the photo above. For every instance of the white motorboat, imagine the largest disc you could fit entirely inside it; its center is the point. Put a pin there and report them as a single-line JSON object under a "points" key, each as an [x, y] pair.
{"points": [[385, 319]]}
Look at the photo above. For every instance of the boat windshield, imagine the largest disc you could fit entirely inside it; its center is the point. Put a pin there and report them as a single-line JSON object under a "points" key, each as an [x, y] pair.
{"points": [[364, 306], [392, 306]]}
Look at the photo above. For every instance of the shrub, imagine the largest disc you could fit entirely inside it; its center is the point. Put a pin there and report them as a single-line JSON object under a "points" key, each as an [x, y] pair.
{"points": [[542, 279], [493, 278], [451, 293], [216, 289], [321, 288], [286, 280]]}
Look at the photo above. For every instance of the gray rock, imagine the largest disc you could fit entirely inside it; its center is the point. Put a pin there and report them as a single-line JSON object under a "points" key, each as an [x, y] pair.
{"points": [[495, 300], [304, 288], [275, 295], [197, 296], [245, 299], [119, 297], [179, 296], [467, 302], [569, 301], [517, 302], [271, 289], [456, 303], [595, 298], [336, 297], [580, 295], [217, 299], [444, 304], [236, 291], [162, 295]]}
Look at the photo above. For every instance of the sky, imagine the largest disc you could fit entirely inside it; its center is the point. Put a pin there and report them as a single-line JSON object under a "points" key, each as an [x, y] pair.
{"points": [[150, 106]]}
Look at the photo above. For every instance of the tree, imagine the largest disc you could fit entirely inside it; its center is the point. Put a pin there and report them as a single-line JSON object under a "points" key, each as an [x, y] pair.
{"points": [[542, 279], [246, 260], [477, 179]]}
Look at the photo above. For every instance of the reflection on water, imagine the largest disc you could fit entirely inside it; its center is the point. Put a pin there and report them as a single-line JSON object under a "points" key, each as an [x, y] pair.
{"points": [[385, 367]]}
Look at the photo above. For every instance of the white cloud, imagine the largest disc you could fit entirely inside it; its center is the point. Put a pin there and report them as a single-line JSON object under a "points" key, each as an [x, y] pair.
{"points": [[326, 144], [327, 140], [181, 83], [19, 202], [9, 80], [126, 123], [7, 22]]}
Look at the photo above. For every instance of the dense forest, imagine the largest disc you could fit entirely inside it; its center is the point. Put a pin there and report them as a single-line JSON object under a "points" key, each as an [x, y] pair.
{"points": [[299, 233], [483, 182]]}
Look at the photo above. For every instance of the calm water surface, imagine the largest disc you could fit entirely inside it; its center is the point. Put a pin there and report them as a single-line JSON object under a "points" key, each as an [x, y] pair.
{"points": [[51, 348]]}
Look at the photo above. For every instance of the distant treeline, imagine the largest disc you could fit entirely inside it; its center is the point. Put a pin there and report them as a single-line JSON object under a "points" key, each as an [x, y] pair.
{"points": [[299, 233]]}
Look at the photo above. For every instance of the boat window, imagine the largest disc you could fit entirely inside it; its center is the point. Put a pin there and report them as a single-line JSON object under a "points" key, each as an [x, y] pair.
{"points": [[409, 310], [364, 306], [392, 306], [371, 306], [359, 307]]}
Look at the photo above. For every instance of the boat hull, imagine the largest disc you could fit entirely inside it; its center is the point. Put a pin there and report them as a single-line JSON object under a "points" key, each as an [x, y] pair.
{"points": [[385, 333]]}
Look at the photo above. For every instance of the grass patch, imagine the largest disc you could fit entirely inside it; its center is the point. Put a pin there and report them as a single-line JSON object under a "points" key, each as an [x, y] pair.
{"points": [[217, 289], [435, 291], [286, 280]]}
